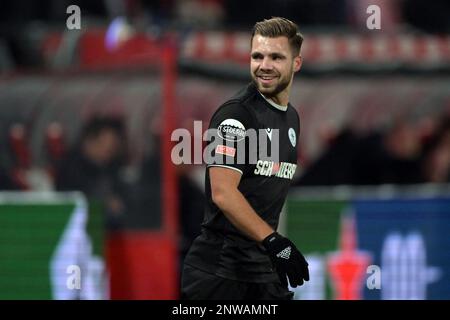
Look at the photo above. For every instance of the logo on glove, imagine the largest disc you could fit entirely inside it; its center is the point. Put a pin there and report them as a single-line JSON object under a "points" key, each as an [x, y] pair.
{"points": [[285, 253]]}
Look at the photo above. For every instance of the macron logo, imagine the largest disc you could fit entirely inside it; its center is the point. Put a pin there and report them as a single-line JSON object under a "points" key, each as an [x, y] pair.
{"points": [[285, 254], [269, 133]]}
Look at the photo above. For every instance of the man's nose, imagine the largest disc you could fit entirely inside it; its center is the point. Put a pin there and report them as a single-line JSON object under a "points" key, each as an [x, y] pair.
{"points": [[266, 64]]}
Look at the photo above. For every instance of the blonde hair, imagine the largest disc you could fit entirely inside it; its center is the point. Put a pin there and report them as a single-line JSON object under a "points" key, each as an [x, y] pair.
{"points": [[280, 27]]}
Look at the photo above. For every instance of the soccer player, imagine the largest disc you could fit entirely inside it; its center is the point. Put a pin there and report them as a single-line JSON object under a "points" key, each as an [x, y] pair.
{"points": [[239, 254]]}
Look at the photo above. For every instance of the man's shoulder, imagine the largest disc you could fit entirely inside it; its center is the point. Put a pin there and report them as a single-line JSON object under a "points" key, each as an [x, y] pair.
{"points": [[238, 105], [292, 110], [244, 95]]}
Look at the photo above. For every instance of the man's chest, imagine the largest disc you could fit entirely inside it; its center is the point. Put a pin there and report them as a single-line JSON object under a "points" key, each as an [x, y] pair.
{"points": [[277, 137]]}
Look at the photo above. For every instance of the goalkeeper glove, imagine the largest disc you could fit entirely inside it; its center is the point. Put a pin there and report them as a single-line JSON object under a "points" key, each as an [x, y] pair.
{"points": [[287, 259]]}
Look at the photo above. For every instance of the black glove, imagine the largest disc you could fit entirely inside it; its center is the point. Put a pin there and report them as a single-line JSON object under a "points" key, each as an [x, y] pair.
{"points": [[287, 259]]}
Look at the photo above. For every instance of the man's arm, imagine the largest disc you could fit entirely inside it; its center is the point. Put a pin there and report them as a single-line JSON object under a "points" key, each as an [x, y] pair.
{"points": [[226, 195]]}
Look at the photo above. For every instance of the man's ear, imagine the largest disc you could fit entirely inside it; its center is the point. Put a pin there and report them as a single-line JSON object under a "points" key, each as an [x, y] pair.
{"points": [[298, 60]]}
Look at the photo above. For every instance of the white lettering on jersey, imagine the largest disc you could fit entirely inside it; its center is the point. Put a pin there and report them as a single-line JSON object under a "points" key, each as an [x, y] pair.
{"points": [[283, 170]]}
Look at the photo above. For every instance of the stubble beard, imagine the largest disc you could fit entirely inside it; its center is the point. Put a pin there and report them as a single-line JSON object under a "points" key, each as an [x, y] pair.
{"points": [[270, 92]]}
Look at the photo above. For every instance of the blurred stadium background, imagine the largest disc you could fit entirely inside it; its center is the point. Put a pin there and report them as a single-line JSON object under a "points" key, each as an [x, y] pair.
{"points": [[92, 206]]}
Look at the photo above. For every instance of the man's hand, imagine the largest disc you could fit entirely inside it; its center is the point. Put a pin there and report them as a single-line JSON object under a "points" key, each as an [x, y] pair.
{"points": [[287, 259]]}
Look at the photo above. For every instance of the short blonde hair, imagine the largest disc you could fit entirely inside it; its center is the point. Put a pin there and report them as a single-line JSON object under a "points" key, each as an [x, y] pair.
{"points": [[279, 27]]}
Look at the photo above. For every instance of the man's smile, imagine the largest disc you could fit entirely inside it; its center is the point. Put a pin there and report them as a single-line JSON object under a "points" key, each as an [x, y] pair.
{"points": [[266, 79]]}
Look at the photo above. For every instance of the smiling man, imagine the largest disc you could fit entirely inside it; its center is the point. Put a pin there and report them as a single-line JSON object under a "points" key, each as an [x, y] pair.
{"points": [[239, 254]]}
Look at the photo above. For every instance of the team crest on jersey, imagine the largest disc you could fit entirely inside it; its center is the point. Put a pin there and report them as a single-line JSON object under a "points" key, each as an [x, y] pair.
{"points": [[292, 137], [231, 130]]}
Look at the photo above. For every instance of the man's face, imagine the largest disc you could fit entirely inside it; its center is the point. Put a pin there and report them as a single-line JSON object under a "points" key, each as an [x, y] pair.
{"points": [[272, 65], [103, 148]]}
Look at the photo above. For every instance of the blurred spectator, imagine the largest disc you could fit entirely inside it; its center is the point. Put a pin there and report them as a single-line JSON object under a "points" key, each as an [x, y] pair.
{"points": [[6, 182], [191, 205], [392, 157], [148, 195], [378, 158], [436, 158], [335, 166], [92, 166], [143, 198]]}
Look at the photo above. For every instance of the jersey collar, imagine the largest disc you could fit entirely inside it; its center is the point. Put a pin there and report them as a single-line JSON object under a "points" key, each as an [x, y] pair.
{"points": [[273, 104]]}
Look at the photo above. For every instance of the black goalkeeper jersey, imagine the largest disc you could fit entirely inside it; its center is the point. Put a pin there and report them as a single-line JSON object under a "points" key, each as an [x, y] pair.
{"points": [[221, 249]]}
